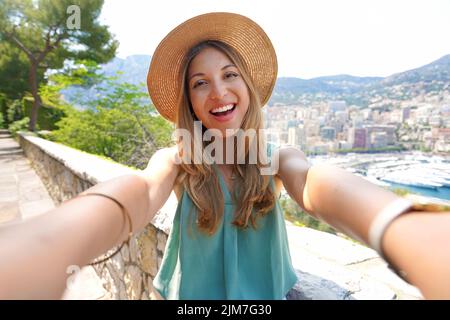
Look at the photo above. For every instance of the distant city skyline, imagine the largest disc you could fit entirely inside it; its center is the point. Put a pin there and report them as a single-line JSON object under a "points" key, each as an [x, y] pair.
{"points": [[312, 38]]}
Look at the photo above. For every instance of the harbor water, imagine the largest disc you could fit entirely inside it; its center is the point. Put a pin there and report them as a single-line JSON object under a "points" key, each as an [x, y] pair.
{"points": [[441, 193]]}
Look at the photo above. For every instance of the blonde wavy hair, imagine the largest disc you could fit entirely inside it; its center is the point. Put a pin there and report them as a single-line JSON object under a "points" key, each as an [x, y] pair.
{"points": [[252, 193]]}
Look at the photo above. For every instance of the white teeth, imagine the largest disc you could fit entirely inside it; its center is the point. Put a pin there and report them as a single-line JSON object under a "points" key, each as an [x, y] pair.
{"points": [[223, 109]]}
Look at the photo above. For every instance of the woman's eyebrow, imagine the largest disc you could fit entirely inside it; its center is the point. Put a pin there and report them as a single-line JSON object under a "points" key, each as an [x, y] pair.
{"points": [[202, 74], [195, 75], [228, 65]]}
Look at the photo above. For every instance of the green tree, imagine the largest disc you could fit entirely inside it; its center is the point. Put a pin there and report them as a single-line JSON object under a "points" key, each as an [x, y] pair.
{"points": [[50, 31], [120, 124], [14, 72]]}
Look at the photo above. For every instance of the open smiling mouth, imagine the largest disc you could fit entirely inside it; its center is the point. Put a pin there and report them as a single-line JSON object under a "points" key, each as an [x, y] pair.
{"points": [[223, 111]]}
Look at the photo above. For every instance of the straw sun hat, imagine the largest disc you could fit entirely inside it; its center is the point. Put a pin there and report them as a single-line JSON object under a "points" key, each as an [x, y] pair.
{"points": [[237, 31]]}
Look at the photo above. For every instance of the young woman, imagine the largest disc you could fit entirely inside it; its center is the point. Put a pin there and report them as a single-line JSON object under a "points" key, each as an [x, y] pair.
{"points": [[228, 239]]}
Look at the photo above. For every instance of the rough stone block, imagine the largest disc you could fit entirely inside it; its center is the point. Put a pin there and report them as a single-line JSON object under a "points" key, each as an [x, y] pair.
{"points": [[148, 255], [85, 285], [162, 239], [108, 284], [125, 253], [133, 282], [134, 249]]}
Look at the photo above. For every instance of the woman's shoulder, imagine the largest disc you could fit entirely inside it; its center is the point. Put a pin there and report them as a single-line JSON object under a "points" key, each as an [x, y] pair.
{"points": [[287, 156], [168, 155], [171, 157], [164, 160], [284, 150], [287, 151]]}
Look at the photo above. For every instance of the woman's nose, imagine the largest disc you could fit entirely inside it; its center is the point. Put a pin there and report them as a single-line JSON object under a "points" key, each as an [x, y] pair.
{"points": [[218, 90]]}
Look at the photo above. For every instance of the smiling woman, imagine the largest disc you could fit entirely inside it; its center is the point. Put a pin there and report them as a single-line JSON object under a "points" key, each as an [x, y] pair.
{"points": [[228, 239], [223, 69]]}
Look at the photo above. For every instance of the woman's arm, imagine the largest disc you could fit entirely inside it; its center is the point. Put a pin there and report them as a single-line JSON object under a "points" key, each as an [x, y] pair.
{"points": [[333, 194], [36, 253], [415, 242], [418, 243]]}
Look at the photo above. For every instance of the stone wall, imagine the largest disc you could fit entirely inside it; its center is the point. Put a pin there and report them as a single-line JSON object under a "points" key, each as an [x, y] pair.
{"points": [[66, 172]]}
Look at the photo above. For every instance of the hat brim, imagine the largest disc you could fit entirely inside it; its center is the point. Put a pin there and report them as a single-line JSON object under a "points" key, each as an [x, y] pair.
{"points": [[237, 31]]}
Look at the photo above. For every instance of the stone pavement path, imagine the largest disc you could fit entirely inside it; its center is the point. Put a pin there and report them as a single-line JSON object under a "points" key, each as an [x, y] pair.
{"points": [[22, 193]]}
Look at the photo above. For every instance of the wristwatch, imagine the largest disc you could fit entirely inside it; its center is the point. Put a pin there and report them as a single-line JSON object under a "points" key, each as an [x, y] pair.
{"points": [[393, 210]]}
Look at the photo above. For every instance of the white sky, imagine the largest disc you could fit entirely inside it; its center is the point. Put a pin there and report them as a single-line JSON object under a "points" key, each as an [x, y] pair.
{"points": [[312, 38]]}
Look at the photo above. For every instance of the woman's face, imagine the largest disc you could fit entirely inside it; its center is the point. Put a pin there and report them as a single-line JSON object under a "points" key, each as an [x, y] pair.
{"points": [[218, 93]]}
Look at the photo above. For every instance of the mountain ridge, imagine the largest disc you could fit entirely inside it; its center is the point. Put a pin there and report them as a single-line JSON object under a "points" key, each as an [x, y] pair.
{"points": [[434, 76]]}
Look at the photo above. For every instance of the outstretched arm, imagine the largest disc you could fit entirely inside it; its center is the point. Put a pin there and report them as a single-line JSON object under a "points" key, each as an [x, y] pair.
{"points": [[415, 242], [35, 253]]}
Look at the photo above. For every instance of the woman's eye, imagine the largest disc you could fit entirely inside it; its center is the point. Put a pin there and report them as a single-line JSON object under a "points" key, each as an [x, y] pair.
{"points": [[198, 83], [231, 75]]}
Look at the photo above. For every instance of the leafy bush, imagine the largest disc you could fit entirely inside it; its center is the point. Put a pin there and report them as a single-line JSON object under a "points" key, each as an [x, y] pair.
{"points": [[117, 125], [14, 111], [48, 115], [3, 108], [399, 191], [2, 123], [19, 125], [296, 215], [126, 137]]}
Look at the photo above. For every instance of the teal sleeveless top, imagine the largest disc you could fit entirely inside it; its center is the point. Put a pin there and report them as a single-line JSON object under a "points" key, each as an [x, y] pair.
{"points": [[230, 264]]}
